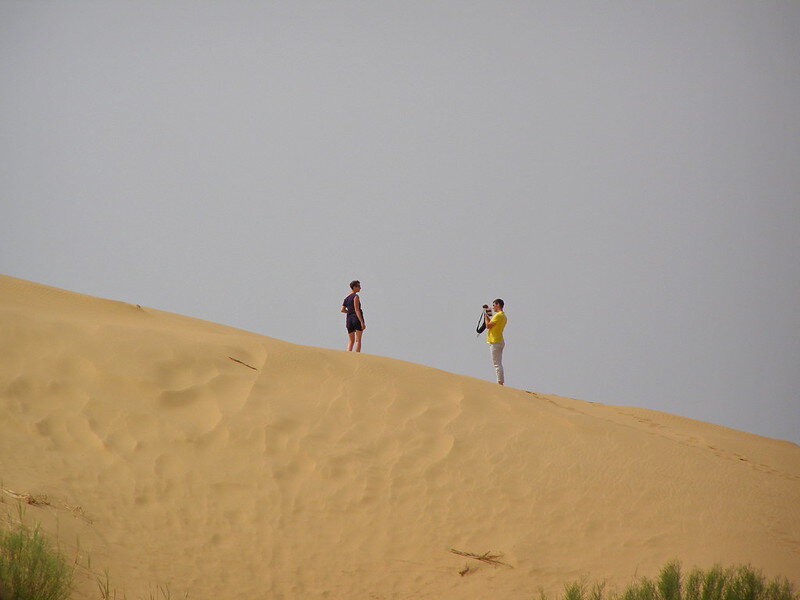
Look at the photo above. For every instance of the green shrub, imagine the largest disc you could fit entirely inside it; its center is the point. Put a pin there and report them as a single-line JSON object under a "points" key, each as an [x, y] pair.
{"points": [[643, 589], [29, 568], [574, 591], [733, 583], [669, 583]]}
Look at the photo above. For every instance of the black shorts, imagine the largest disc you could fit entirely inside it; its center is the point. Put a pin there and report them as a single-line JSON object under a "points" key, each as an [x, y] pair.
{"points": [[353, 324]]}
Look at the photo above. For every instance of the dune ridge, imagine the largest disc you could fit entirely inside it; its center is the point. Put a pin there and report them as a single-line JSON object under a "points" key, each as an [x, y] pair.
{"points": [[222, 463]]}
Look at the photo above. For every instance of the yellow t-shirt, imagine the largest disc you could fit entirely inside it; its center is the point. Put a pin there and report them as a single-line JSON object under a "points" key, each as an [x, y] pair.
{"points": [[495, 334]]}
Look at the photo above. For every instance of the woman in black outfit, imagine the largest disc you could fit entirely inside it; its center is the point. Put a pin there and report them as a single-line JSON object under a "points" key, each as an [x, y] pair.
{"points": [[355, 317]]}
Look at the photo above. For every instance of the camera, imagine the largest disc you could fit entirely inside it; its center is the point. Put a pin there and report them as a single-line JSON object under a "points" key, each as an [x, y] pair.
{"points": [[486, 314]]}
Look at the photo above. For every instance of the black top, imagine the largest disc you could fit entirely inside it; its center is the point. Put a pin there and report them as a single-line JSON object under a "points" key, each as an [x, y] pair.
{"points": [[350, 304]]}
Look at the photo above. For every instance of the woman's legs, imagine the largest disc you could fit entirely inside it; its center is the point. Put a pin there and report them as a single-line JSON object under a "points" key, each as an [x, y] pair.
{"points": [[354, 341]]}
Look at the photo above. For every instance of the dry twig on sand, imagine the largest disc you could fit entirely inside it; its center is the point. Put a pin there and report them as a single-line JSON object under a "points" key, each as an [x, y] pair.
{"points": [[486, 557], [41, 501], [241, 362]]}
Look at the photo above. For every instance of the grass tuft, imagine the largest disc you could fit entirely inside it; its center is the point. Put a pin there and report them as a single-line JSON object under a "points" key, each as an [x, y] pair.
{"points": [[669, 583], [733, 583], [29, 568]]}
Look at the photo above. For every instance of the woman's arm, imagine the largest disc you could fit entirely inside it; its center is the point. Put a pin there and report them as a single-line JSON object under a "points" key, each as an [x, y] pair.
{"points": [[357, 306]]}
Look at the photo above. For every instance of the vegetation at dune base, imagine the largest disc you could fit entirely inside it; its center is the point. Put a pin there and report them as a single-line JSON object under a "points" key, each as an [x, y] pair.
{"points": [[732, 583], [30, 569]]}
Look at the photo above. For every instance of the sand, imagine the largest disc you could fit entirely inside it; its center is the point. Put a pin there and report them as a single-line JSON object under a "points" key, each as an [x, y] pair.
{"points": [[160, 450]]}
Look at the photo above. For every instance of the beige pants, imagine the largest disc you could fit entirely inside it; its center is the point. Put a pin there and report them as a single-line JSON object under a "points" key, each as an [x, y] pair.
{"points": [[497, 360]]}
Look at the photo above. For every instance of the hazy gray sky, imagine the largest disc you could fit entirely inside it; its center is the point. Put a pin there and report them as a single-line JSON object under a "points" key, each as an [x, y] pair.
{"points": [[626, 175]]}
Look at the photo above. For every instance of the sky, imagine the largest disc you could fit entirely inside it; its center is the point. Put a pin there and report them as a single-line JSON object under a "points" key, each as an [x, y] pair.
{"points": [[625, 175]]}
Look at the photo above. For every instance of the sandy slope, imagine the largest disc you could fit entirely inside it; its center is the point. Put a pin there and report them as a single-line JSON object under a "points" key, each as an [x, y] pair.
{"points": [[230, 465]]}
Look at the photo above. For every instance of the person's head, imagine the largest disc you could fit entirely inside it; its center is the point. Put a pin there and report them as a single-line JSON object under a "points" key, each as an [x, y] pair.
{"points": [[498, 305], [355, 284]]}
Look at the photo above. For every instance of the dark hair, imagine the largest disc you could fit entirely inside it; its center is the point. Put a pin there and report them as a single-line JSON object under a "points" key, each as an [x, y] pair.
{"points": [[355, 283], [500, 302]]}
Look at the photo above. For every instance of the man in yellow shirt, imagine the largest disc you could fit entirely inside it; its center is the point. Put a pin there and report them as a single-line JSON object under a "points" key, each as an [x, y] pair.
{"points": [[494, 337]]}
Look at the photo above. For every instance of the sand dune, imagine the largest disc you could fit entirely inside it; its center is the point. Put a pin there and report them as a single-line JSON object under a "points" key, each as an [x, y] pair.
{"points": [[225, 464]]}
